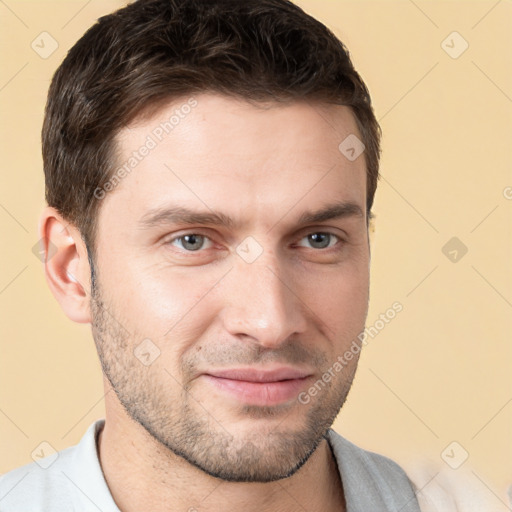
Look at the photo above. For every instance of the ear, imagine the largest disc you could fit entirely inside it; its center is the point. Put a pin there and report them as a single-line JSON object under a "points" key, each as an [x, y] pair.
{"points": [[371, 233], [66, 264]]}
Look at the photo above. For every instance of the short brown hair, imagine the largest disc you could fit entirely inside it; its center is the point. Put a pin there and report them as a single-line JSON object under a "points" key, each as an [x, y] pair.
{"points": [[155, 50]]}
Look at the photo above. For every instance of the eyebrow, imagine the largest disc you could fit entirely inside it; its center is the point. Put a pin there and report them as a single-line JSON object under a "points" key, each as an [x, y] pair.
{"points": [[181, 215], [335, 211]]}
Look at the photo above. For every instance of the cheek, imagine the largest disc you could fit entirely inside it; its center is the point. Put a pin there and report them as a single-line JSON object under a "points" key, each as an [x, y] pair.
{"points": [[161, 304], [338, 297]]}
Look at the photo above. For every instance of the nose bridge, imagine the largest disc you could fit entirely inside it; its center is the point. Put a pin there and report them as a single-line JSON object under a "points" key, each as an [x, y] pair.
{"points": [[262, 303]]}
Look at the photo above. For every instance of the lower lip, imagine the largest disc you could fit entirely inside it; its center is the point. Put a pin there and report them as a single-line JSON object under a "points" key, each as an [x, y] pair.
{"points": [[260, 393]]}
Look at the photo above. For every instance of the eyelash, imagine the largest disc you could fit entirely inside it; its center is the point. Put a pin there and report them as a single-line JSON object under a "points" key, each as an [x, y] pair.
{"points": [[323, 249]]}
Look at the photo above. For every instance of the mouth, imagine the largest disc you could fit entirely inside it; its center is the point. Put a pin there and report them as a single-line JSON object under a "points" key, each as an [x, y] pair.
{"points": [[261, 387]]}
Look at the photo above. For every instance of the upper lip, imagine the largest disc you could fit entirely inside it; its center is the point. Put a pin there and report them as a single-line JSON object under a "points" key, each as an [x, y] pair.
{"points": [[260, 375]]}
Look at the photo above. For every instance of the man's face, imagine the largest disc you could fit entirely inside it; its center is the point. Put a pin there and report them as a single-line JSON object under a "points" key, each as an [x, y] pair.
{"points": [[232, 271]]}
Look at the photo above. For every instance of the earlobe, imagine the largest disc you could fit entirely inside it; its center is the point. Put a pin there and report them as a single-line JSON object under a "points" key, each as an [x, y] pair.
{"points": [[66, 265]]}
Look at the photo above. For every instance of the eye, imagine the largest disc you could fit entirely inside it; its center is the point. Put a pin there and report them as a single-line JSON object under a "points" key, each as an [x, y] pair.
{"points": [[321, 240], [191, 242]]}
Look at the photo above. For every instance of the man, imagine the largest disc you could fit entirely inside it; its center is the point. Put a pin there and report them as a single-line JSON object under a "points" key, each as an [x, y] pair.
{"points": [[210, 171]]}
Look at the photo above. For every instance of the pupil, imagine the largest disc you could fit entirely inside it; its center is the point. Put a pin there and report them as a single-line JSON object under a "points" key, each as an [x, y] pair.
{"points": [[192, 242], [320, 239]]}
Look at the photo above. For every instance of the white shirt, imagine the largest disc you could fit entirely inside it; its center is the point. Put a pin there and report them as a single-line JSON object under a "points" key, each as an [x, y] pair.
{"points": [[72, 480]]}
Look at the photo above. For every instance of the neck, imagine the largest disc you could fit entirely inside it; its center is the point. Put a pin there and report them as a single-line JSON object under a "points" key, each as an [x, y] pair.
{"points": [[144, 475]]}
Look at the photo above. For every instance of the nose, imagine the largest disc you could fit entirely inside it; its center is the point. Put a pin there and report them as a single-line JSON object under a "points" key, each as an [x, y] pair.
{"points": [[263, 304]]}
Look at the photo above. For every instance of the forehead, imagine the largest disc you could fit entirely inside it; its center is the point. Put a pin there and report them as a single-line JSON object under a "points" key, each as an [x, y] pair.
{"points": [[224, 154]]}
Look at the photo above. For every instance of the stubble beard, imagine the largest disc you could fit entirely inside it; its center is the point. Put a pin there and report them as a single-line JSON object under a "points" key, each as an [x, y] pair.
{"points": [[187, 426]]}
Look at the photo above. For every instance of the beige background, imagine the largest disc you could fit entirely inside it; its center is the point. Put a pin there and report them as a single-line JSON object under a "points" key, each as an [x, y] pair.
{"points": [[441, 370]]}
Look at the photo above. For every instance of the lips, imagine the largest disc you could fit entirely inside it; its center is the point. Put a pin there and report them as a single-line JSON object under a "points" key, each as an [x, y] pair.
{"points": [[257, 375], [256, 386]]}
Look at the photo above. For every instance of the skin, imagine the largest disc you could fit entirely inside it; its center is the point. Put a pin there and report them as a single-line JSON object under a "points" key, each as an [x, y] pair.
{"points": [[173, 440]]}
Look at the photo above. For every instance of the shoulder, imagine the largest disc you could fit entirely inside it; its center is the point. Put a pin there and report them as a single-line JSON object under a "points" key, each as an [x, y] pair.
{"points": [[31, 486], [68, 480], [367, 461], [372, 478]]}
